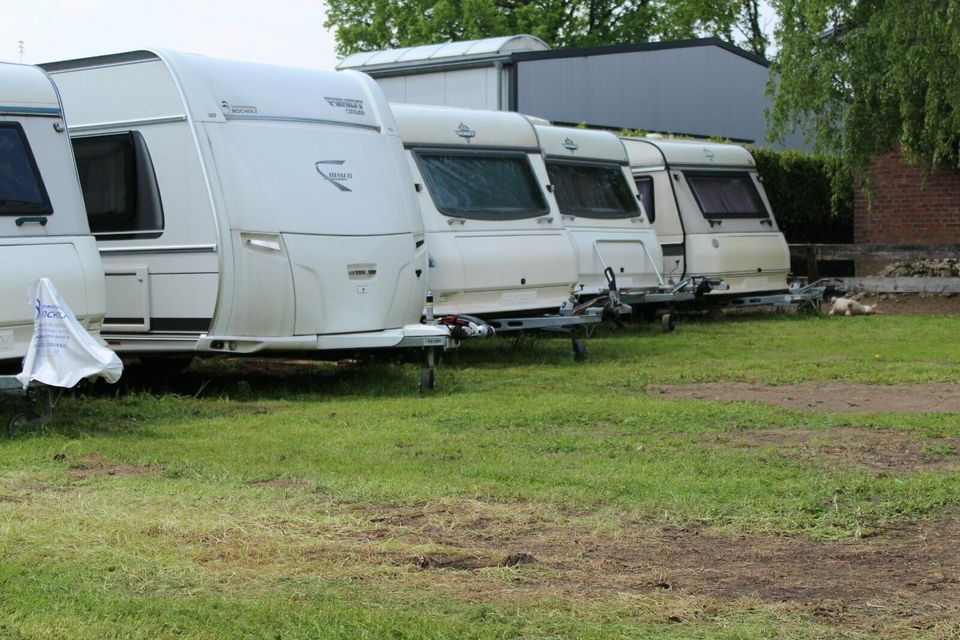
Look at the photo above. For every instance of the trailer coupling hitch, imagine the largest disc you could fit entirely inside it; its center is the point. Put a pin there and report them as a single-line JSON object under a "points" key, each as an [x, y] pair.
{"points": [[462, 327], [613, 291], [707, 285]]}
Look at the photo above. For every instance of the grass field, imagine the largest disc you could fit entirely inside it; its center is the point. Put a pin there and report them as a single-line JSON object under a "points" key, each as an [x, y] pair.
{"points": [[527, 497]]}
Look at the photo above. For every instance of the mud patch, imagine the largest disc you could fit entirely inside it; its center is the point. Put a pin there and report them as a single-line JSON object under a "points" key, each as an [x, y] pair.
{"points": [[470, 563], [834, 397], [913, 303], [95, 465], [905, 576], [878, 449]]}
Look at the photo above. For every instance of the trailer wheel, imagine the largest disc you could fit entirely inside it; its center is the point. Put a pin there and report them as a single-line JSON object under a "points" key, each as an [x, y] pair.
{"points": [[427, 379], [668, 322], [18, 421], [579, 350]]}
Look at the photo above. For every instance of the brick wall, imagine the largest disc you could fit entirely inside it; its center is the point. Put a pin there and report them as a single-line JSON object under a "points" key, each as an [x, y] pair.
{"points": [[905, 209]]}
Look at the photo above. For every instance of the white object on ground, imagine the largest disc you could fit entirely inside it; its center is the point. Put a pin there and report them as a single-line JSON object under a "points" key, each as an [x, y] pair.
{"points": [[849, 307], [61, 351]]}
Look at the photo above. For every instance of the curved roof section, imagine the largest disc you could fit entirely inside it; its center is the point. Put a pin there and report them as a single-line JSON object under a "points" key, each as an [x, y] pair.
{"points": [[216, 90], [451, 51], [24, 89], [422, 125], [654, 150], [582, 144]]}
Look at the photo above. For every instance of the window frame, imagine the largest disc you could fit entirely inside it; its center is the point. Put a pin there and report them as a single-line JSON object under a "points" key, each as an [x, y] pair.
{"points": [[143, 175], [598, 164], [651, 211], [44, 208], [736, 215], [489, 215]]}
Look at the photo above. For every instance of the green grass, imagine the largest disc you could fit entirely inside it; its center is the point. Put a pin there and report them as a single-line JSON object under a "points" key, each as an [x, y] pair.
{"points": [[195, 545]]}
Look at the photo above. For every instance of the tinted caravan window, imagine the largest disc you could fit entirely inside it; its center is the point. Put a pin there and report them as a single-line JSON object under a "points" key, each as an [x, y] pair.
{"points": [[726, 195], [482, 185], [119, 186], [21, 188], [592, 190], [645, 189]]}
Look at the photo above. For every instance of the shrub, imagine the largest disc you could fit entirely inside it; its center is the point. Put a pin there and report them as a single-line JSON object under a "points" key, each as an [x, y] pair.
{"points": [[810, 197]]}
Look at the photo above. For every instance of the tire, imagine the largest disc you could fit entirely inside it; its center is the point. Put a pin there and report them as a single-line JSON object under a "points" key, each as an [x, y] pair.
{"points": [[668, 322], [18, 421], [579, 350], [427, 379]]}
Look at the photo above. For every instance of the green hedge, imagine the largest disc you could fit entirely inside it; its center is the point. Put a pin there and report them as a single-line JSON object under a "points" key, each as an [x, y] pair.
{"points": [[811, 200]]}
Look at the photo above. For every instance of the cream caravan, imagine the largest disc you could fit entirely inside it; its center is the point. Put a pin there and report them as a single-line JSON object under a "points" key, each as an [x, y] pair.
{"points": [[616, 246], [244, 208], [497, 244], [711, 214], [43, 227]]}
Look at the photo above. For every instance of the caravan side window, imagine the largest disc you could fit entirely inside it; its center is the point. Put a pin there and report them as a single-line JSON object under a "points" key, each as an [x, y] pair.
{"points": [[21, 188], [592, 190], [645, 189], [119, 186], [726, 194], [484, 185]]}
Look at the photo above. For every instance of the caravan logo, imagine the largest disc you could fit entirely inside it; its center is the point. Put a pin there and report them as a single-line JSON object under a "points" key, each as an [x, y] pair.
{"points": [[336, 178], [351, 106], [465, 132], [570, 145], [237, 109]]}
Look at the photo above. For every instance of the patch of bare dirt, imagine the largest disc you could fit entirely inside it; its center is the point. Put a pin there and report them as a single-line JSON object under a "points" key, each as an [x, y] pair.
{"points": [[905, 576], [912, 303], [879, 449], [95, 465], [9, 498], [833, 397]]}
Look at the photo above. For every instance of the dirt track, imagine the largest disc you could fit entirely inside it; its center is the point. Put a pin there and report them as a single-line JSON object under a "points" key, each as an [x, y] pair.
{"points": [[834, 397]]}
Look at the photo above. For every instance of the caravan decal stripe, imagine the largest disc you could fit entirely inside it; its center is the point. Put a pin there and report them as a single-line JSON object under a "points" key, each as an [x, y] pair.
{"points": [[7, 109], [338, 123]]}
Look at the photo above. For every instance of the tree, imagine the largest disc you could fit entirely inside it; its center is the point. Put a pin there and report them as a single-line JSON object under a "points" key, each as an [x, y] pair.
{"points": [[366, 25], [862, 77]]}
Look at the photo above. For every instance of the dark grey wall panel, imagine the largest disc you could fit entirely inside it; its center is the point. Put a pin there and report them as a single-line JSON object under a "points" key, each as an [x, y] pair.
{"points": [[699, 91]]}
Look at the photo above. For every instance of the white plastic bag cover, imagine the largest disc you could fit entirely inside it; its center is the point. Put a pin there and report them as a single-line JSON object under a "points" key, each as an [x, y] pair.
{"points": [[62, 352]]}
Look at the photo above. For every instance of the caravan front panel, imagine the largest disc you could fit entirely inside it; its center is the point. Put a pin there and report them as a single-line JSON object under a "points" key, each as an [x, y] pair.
{"points": [[43, 229], [601, 208], [711, 194], [493, 232]]}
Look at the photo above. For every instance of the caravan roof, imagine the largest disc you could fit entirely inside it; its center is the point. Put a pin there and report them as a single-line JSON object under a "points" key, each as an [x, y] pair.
{"points": [[26, 90], [215, 90], [444, 126], [471, 49], [589, 145], [658, 150]]}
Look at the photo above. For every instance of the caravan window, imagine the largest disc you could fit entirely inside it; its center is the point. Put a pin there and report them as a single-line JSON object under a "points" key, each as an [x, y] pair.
{"points": [[119, 186], [483, 185], [645, 189], [726, 195], [21, 188], [592, 190]]}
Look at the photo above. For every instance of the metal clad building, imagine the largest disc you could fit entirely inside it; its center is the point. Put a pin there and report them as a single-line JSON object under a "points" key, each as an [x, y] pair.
{"points": [[699, 88]]}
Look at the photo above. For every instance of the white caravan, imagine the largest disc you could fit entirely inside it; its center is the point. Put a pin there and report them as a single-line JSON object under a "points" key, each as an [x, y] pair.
{"points": [[497, 244], [711, 214], [43, 227], [600, 207], [246, 208]]}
